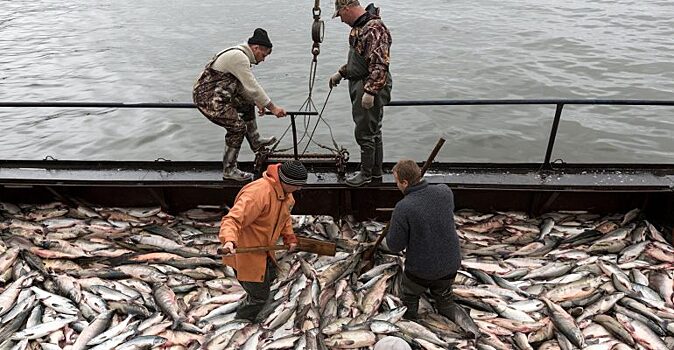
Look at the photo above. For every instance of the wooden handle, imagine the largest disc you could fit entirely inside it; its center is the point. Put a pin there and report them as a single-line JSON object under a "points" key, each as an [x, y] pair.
{"points": [[382, 234], [304, 244], [261, 249], [255, 249], [431, 157], [369, 254]]}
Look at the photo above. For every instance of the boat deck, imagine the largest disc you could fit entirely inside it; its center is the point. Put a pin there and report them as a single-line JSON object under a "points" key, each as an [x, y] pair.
{"points": [[563, 177]]}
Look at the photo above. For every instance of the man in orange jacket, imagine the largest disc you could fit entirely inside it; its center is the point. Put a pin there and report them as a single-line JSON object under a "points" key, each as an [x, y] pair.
{"points": [[261, 213]]}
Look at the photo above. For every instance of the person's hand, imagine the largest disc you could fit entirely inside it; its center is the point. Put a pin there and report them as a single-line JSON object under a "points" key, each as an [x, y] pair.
{"points": [[368, 101], [278, 111], [292, 247], [261, 110], [228, 248], [335, 79]]}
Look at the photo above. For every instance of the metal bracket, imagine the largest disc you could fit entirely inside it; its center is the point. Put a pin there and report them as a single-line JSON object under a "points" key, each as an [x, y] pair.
{"points": [[266, 156]]}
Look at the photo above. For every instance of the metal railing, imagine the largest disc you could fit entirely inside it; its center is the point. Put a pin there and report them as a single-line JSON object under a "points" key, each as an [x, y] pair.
{"points": [[559, 103], [144, 105]]}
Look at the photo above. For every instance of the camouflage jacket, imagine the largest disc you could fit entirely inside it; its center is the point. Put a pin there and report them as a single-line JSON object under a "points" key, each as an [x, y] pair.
{"points": [[372, 40]]}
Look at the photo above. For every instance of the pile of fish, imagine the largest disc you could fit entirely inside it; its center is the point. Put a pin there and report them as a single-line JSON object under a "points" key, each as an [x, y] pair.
{"points": [[87, 277]]}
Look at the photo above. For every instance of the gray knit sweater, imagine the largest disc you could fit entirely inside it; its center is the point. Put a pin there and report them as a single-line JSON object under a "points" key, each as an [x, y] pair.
{"points": [[423, 222]]}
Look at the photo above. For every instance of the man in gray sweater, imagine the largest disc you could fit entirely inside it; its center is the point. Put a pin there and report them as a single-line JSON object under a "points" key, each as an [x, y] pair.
{"points": [[423, 223]]}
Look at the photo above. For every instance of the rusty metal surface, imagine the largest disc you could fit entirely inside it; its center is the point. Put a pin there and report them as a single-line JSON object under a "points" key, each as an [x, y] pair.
{"points": [[486, 187], [603, 178], [363, 203]]}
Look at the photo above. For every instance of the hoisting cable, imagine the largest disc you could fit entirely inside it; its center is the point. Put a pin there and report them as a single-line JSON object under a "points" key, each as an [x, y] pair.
{"points": [[320, 118], [317, 34], [317, 31]]}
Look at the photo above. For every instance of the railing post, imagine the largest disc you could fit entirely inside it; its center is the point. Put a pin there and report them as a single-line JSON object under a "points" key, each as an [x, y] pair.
{"points": [[292, 121], [553, 135]]}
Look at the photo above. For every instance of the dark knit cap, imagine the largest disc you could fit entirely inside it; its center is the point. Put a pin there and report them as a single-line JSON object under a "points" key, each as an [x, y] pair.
{"points": [[293, 172], [260, 37]]}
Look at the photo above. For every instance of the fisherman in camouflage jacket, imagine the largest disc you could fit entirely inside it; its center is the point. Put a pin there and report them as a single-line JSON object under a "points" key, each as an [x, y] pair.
{"points": [[370, 83]]}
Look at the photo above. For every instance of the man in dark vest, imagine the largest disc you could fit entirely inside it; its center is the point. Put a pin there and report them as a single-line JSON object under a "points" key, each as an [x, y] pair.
{"points": [[367, 70], [227, 92]]}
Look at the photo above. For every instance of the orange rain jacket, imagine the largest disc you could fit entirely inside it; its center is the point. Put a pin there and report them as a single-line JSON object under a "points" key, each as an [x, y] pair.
{"points": [[261, 213]]}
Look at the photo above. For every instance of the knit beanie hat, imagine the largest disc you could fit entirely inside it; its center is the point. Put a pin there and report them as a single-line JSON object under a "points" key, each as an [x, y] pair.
{"points": [[392, 343], [260, 38], [293, 172]]}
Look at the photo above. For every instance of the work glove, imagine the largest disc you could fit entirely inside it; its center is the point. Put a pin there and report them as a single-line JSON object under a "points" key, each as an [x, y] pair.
{"points": [[368, 101], [335, 79]]}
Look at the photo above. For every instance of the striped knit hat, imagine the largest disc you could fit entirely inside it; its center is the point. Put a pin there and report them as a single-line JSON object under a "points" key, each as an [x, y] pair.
{"points": [[293, 172]]}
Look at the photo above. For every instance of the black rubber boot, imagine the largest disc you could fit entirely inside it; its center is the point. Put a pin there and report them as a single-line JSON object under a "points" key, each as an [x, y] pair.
{"points": [[377, 172], [363, 176], [257, 295], [230, 170], [253, 136], [412, 312], [410, 291], [249, 309]]}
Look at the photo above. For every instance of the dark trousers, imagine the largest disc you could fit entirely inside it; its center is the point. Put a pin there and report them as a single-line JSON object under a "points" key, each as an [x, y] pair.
{"points": [[413, 287], [257, 294], [368, 126]]}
